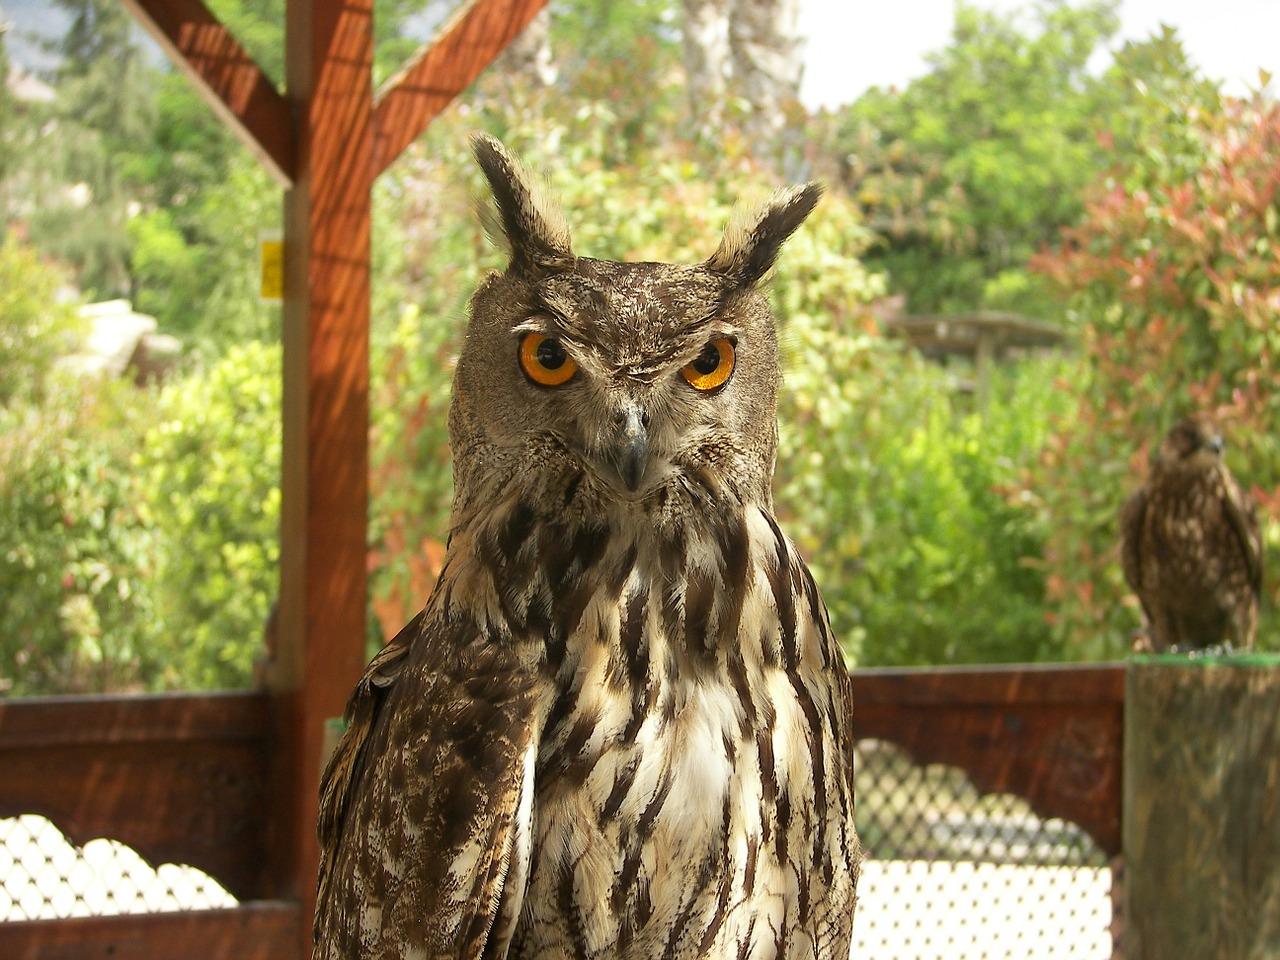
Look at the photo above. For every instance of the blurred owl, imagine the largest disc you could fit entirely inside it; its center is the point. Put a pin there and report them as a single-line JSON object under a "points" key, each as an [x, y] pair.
{"points": [[1191, 546], [621, 725]]}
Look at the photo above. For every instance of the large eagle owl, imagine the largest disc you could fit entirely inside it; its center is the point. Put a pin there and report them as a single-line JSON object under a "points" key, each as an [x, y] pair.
{"points": [[1191, 546], [621, 725]]}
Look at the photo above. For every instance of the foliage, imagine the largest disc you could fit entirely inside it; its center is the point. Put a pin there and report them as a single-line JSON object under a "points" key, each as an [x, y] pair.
{"points": [[77, 557], [35, 326], [140, 189], [140, 530], [195, 257], [911, 505], [145, 522], [208, 474], [873, 439], [1175, 279], [105, 107], [8, 113], [593, 39], [972, 167]]}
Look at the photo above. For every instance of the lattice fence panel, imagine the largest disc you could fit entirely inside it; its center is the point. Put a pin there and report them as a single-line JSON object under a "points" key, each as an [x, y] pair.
{"points": [[953, 875], [43, 876], [949, 874]]}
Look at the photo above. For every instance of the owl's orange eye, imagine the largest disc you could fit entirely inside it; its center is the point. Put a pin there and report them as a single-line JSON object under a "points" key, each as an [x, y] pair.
{"points": [[712, 367], [545, 361]]}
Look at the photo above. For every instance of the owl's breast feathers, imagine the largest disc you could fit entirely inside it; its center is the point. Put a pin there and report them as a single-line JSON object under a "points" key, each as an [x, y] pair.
{"points": [[598, 741]]}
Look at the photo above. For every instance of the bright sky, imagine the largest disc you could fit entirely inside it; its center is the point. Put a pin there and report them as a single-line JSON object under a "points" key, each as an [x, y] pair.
{"points": [[855, 44]]}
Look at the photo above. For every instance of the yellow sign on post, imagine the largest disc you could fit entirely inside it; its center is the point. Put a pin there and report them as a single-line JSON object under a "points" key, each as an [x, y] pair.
{"points": [[271, 262]]}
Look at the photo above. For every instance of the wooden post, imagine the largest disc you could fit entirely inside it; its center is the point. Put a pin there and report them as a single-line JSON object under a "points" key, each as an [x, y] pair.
{"points": [[321, 622], [1202, 808], [319, 141]]}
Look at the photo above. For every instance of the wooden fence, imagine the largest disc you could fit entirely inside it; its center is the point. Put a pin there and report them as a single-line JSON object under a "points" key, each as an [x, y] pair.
{"points": [[189, 779]]}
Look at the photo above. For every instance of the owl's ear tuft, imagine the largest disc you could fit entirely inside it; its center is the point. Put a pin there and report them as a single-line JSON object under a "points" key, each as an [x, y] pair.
{"points": [[754, 236], [528, 218]]}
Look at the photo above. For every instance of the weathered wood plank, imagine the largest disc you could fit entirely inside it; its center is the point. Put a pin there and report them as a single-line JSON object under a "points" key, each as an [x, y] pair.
{"points": [[441, 69], [1202, 808], [180, 779], [1050, 734], [225, 75], [255, 931]]}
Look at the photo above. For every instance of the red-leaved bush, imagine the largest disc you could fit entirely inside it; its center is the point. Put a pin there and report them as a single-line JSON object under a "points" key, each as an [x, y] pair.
{"points": [[1174, 278]]}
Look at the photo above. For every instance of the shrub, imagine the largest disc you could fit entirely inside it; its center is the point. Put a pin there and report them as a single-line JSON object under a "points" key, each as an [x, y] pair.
{"points": [[1176, 284], [36, 327], [141, 531], [208, 475], [76, 566]]}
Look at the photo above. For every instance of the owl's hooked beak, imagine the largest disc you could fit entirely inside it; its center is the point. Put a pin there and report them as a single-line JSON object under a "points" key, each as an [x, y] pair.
{"points": [[631, 454]]}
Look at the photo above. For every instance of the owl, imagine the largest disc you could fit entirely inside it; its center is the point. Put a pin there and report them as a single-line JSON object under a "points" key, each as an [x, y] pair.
{"points": [[1191, 546], [620, 727]]}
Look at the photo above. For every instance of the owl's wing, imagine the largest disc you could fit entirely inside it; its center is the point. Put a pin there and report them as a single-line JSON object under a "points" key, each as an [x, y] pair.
{"points": [[1132, 516], [426, 806], [1242, 514]]}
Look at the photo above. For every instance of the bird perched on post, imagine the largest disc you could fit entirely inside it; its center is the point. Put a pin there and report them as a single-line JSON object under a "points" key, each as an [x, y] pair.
{"points": [[1191, 546], [621, 725]]}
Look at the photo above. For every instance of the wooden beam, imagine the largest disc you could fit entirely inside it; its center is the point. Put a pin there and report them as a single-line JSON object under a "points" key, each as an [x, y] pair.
{"points": [[178, 778], [444, 67], [224, 73], [325, 473], [1050, 734], [258, 931]]}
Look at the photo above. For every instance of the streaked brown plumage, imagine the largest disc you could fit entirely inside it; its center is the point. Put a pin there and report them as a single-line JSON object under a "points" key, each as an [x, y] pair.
{"points": [[1191, 546], [620, 726]]}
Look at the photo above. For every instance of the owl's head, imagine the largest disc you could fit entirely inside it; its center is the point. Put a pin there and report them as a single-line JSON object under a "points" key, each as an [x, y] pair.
{"points": [[636, 384], [1194, 443]]}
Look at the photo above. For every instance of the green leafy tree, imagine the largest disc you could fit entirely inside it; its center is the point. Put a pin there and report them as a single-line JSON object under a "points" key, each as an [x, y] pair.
{"points": [[106, 106], [967, 171]]}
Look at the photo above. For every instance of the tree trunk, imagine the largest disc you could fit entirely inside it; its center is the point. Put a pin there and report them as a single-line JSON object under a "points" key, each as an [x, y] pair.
{"points": [[706, 60], [767, 57]]}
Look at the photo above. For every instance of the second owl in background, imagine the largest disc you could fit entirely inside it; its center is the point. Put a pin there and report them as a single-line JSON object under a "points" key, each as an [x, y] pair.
{"points": [[1191, 546], [621, 727]]}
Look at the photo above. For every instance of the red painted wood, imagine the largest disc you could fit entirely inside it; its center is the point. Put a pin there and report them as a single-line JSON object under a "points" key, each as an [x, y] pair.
{"points": [[180, 779], [1050, 734], [224, 73], [442, 69], [321, 613], [256, 931]]}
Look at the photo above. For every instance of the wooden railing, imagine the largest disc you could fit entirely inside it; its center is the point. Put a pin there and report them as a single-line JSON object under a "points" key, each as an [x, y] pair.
{"points": [[186, 779], [1050, 734], [180, 779]]}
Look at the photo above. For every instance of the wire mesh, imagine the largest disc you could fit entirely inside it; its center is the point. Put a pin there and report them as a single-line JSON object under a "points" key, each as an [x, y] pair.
{"points": [[43, 876], [949, 874], [954, 875]]}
